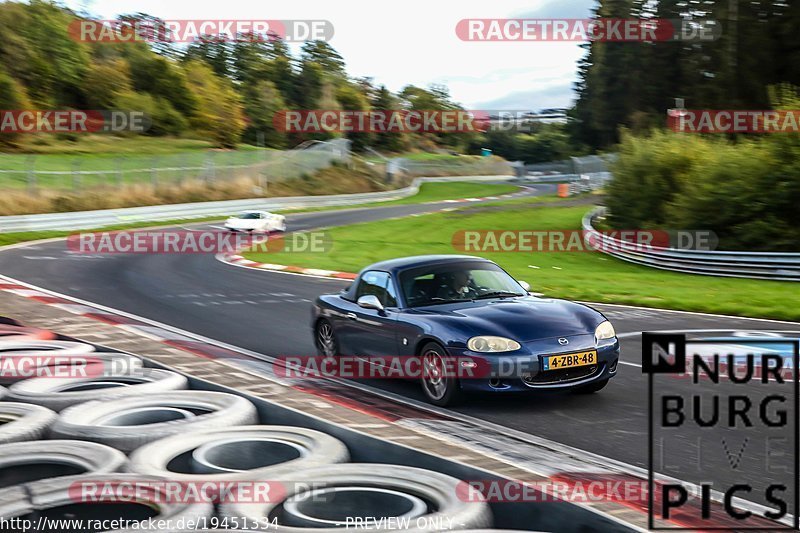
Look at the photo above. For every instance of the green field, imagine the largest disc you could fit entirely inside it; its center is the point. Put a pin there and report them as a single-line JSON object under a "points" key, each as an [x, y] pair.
{"points": [[434, 192], [587, 276]]}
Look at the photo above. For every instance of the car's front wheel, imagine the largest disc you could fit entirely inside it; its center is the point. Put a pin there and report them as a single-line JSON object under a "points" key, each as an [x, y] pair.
{"points": [[325, 339], [439, 384], [593, 387]]}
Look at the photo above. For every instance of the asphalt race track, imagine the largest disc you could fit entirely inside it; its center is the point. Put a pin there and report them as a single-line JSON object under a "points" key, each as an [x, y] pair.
{"points": [[268, 312]]}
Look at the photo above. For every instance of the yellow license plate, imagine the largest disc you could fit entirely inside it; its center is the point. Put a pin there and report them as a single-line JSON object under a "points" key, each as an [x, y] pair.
{"points": [[569, 360]]}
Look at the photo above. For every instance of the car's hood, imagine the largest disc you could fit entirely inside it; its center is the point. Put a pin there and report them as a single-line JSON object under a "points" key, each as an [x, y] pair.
{"points": [[522, 319]]}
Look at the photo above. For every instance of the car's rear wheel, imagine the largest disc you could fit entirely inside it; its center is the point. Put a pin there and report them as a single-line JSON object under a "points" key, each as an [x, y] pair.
{"points": [[325, 338], [439, 384], [592, 387]]}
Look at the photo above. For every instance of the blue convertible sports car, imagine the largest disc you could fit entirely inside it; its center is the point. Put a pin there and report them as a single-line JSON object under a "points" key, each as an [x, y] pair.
{"points": [[466, 312]]}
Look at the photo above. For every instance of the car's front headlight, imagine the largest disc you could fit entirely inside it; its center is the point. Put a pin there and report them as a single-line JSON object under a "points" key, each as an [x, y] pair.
{"points": [[604, 331], [487, 344]]}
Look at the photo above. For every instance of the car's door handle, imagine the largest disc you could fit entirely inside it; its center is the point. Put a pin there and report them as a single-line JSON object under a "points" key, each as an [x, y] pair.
{"points": [[351, 316]]}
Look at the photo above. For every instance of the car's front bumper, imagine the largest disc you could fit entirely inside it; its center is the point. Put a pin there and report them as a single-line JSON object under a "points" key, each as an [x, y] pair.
{"points": [[522, 370], [235, 225]]}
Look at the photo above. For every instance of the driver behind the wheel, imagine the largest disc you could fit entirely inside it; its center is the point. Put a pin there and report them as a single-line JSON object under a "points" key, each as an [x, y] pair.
{"points": [[457, 287]]}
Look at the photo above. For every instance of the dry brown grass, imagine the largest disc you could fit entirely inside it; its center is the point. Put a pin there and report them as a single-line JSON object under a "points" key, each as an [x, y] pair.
{"points": [[333, 180], [336, 179]]}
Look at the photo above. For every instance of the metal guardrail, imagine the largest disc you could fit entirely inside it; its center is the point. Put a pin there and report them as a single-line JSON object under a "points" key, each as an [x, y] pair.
{"points": [[107, 217], [759, 265], [578, 183]]}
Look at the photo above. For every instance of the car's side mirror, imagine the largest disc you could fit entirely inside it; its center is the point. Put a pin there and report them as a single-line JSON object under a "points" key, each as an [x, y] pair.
{"points": [[370, 301], [525, 285]]}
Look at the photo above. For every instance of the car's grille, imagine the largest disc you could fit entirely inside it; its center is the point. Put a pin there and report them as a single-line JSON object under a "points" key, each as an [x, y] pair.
{"points": [[562, 375]]}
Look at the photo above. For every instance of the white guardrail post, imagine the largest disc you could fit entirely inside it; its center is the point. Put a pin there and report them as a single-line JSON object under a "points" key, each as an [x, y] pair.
{"points": [[760, 265]]}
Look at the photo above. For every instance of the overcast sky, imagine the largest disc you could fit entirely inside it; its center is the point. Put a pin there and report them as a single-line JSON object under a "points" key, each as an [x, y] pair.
{"points": [[413, 42]]}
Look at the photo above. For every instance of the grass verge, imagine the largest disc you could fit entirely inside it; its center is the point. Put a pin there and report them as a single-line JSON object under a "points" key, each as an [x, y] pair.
{"points": [[580, 276], [432, 192], [436, 192]]}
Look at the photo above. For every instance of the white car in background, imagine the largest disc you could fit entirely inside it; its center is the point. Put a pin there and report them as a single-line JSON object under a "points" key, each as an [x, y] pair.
{"points": [[256, 221]]}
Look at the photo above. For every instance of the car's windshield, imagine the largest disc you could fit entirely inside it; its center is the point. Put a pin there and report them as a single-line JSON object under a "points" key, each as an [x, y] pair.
{"points": [[457, 282], [249, 216]]}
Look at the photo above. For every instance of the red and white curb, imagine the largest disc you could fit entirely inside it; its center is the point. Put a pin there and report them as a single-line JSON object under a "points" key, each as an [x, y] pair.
{"points": [[238, 260]]}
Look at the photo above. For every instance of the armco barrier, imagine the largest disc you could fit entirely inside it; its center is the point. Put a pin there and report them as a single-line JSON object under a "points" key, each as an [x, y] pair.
{"points": [[760, 265], [96, 219]]}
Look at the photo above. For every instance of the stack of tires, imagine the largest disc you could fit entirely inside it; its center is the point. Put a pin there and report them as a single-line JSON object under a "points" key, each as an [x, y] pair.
{"points": [[69, 445]]}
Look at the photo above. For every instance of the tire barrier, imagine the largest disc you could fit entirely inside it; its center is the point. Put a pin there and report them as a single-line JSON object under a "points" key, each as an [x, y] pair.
{"points": [[343, 494], [184, 442], [28, 346], [23, 422], [28, 358], [130, 422], [58, 499], [13, 331], [245, 452], [59, 393], [26, 462]]}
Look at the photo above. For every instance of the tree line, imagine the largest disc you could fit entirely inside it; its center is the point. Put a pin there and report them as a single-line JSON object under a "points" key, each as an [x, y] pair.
{"points": [[742, 187], [633, 84], [224, 91]]}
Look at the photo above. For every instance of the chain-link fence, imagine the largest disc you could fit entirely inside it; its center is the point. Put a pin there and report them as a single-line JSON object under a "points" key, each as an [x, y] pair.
{"points": [[551, 167], [593, 172], [82, 172], [456, 166], [592, 164]]}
